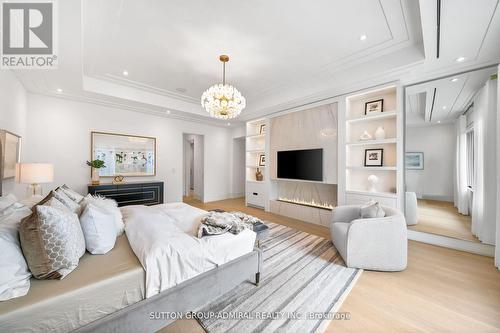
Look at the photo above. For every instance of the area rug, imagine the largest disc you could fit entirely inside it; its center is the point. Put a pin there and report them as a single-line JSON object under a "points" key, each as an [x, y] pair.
{"points": [[303, 283]]}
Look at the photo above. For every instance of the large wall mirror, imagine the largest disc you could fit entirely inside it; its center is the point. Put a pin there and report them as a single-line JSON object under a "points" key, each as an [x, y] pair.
{"points": [[448, 156]]}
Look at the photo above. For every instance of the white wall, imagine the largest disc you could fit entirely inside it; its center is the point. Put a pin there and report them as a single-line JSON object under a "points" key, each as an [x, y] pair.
{"points": [[12, 116], [438, 145], [58, 131]]}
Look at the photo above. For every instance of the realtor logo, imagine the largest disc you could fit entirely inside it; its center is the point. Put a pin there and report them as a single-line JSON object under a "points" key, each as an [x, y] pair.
{"points": [[28, 35]]}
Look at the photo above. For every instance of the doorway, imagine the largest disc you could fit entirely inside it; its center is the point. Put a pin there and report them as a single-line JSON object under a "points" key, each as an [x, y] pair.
{"points": [[238, 184], [193, 167]]}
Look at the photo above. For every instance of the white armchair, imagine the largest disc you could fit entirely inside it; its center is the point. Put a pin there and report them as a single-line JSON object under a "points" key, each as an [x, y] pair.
{"points": [[370, 243]]}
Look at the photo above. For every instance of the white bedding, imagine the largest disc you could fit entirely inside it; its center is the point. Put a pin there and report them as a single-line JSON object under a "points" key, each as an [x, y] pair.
{"points": [[163, 239]]}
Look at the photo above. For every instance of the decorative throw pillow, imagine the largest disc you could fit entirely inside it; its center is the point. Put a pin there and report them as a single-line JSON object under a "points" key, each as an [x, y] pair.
{"points": [[98, 228], [72, 206], [76, 197], [372, 210], [14, 273], [53, 202], [110, 206], [7, 201], [52, 242]]}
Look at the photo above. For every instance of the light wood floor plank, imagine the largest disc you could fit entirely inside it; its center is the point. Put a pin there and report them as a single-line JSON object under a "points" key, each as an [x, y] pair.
{"points": [[442, 290]]}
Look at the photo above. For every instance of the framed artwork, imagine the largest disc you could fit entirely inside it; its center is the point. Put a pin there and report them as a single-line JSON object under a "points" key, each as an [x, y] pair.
{"points": [[124, 155], [374, 157], [10, 147], [414, 160], [262, 160], [262, 129], [376, 106]]}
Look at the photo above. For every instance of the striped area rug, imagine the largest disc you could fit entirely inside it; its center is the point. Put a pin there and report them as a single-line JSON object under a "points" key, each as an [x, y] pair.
{"points": [[303, 275]]}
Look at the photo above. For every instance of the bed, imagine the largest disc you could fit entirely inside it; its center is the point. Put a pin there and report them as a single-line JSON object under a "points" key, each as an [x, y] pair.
{"points": [[108, 292]]}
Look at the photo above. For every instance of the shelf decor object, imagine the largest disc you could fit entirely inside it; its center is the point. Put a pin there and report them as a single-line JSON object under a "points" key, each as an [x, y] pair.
{"points": [[380, 133], [376, 106], [374, 157], [372, 168], [223, 101]]}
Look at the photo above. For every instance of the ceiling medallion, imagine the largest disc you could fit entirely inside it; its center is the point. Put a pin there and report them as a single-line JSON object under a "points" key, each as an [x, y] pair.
{"points": [[223, 101]]}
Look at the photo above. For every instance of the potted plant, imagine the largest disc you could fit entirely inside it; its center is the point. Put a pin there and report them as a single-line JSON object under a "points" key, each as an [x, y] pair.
{"points": [[95, 165]]}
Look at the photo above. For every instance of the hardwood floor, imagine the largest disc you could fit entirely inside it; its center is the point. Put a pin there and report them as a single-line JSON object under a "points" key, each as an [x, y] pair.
{"points": [[442, 218], [442, 290]]}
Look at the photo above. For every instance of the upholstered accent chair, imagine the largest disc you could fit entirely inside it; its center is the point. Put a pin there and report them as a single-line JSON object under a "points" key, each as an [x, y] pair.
{"points": [[370, 243]]}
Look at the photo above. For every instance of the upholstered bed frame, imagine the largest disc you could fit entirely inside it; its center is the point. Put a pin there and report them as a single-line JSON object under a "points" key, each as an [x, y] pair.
{"points": [[187, 296]]}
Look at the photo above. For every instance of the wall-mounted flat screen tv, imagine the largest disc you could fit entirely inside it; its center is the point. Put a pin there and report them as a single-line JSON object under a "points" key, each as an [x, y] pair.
{"points": [[301, 164]]}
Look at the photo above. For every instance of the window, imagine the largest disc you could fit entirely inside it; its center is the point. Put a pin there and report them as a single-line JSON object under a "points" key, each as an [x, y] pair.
{"points": [[470, 159]]}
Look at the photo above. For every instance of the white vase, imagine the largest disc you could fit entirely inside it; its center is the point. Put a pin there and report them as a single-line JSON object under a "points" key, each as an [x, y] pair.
{"points": [[95, 176], [380, 133], [372, 181]]}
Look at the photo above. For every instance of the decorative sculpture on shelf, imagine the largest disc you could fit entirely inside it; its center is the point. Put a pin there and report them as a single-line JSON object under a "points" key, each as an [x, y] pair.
{"points": [[365, 136], [373, 181], [380, 133], [259, 176]]}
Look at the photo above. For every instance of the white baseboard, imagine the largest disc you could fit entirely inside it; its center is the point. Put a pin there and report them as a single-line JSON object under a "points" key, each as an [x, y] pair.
{"points": [[452, 243]]}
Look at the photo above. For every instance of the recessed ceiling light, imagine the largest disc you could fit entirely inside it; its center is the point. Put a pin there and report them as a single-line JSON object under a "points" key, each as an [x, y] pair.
{"points": [[125, 73], [59, 90], [455, 79], [168, 111], [460, 59], [439, 121], [362, 37], [444, 107], [228, 124]]}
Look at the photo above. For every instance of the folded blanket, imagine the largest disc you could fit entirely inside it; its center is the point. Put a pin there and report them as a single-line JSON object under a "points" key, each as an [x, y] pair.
{"points": [[217, 223]]}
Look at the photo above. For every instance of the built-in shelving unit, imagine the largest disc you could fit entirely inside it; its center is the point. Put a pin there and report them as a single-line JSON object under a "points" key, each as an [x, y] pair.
{"points": [[356, 185], [256, 158]]}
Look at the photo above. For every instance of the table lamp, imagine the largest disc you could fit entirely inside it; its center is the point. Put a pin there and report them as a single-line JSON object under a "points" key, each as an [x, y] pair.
{"points": [[34, 174]]}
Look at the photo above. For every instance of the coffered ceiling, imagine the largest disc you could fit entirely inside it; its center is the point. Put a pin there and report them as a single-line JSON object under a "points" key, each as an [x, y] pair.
{"points": [[283, 53]]}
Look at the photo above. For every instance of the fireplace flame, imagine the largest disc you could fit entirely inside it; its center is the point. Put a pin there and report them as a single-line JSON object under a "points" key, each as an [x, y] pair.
{"points": [[311, 203]]}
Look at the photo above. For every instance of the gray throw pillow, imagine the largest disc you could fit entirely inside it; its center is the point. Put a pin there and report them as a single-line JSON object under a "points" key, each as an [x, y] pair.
{"points": [[372, 210], [52, 241]]}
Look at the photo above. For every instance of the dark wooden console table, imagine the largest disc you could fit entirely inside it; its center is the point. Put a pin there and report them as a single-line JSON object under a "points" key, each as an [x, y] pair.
{"points": [[134, 193]]}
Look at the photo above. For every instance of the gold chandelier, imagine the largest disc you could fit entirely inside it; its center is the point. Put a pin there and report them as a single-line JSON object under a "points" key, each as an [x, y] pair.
{"points": [[222, 100]]}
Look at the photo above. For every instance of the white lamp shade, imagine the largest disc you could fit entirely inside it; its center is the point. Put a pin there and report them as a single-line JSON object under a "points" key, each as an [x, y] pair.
{"points": [[34, 173]]}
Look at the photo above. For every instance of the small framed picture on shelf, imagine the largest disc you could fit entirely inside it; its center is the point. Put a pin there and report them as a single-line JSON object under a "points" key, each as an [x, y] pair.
{"points": [[374, 157], [414, 161], [376, 106], [262, 160], [262, 129]]}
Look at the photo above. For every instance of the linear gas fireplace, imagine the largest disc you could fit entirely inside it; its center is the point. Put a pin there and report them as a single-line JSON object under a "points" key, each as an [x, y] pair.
{"points": [[308, 203]]}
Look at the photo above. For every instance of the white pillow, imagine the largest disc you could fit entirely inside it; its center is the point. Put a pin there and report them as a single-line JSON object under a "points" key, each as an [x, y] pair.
{"points": [[14, 273], [98, 227], [62, 197], [7, 201], [76, 197], [53, 202], [372, 210], [110, 206]]}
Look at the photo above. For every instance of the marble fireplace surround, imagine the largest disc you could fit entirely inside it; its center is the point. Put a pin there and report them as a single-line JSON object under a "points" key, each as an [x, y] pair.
{"points": [[308, 129]]}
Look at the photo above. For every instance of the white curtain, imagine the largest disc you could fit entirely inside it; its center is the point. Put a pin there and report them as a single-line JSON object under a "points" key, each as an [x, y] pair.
{"points": [[484, 200], [460, 179]]}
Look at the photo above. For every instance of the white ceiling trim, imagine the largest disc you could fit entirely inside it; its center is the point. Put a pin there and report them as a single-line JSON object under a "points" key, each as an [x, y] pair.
{"points": [[145, 87]]}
